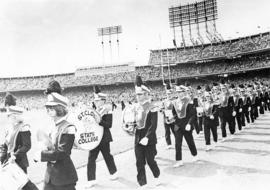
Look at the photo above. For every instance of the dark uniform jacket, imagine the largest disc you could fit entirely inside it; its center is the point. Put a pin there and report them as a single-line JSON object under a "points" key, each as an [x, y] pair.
{"points": [[246, 103], [231, 105], [196, 102], [106, 123], [257, 101], [266, 98], [223, 106], [216, 114], [184, 115], [238, 103], [149, 127], [211, 109], [60, 168]]}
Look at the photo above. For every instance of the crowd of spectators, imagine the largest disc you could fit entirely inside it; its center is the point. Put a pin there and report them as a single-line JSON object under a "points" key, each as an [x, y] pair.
{"points": [[149, 73], [124, 92], [209, 51], [229, 49], [208, 68], [119, 86]]}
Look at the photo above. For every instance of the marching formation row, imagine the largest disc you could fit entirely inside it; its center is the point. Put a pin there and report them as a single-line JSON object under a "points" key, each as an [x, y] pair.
{"points": [[204, 109], [184, 109]]}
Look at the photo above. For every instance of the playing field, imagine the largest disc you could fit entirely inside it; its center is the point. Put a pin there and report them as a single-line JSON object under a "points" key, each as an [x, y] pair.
{"points": [[39, 120]]}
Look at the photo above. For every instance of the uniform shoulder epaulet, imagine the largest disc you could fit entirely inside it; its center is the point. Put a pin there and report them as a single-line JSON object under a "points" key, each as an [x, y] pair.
{"points": [[71, 129], [25, 128]]}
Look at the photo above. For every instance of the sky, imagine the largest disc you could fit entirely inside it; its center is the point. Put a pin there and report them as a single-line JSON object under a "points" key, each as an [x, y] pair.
{"points": [[41, 37]]}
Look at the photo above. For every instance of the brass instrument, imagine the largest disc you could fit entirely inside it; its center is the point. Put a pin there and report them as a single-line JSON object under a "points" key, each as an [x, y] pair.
{"points": [[129, 120], [169, 117]]}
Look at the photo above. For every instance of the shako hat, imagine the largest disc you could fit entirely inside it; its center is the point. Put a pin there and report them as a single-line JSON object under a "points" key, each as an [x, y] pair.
{"points": [[140, 88], [10, 100], [53, 86], [98, 95]]}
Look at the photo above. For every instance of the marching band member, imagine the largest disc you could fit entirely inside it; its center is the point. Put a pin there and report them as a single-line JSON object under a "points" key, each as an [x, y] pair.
{"points": [[254, 102], [210, 118], [169, 120], [249, 103], [261, 98], [238, 102], [18, 140], [267, 98], [257, 100], [10, 100], [184, 113], [195, 103], [216, 102], [231, 107], [105, 120], [145, 134], [225, 112], [61, 173], [245, 105], [198, 104]]}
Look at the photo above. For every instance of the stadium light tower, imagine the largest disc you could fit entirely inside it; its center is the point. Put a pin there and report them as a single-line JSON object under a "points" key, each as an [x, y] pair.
{"points": [[110, 31], [202, 14]]}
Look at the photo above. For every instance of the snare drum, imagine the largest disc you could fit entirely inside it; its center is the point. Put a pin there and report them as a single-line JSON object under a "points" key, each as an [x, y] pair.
{"points": [[13, 177]]}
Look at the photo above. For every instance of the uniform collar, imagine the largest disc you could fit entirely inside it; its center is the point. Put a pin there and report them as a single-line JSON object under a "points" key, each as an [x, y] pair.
{"points": [[61, 120]]}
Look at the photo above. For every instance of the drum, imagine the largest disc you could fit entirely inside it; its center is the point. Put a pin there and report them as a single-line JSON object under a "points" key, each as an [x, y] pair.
{"points": [[12, 176], [129, 120], [89, 134]]}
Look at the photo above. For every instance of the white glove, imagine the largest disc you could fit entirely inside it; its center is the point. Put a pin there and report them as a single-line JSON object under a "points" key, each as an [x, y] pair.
{"points": [[37, 156], [97, 118], [144, 141], [249, 108], [233, 113], [258, 107], [268, 101], [240, 110], [188, 127], [211, 117], [42, 145], [12, 159]]}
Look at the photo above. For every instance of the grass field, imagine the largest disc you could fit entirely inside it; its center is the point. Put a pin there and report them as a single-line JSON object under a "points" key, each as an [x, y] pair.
{"points": [[39, 120]]}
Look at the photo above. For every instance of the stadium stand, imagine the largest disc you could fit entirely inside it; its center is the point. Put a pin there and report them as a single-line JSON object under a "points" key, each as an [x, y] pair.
{"points": [[238, 57]]}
